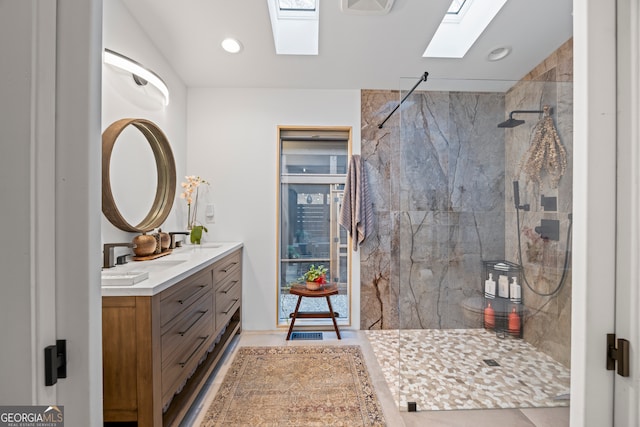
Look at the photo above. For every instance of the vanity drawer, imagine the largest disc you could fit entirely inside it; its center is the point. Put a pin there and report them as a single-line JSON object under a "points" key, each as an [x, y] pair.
{"points": [[228, 296], [227, 266], [179, 297], [178, 367], [188, 325]]}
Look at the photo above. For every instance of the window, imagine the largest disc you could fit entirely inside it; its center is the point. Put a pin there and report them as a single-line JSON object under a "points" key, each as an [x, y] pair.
{"points": [[295, 25], [297, 4], [456, 7], [312, 173], [461, 26]]}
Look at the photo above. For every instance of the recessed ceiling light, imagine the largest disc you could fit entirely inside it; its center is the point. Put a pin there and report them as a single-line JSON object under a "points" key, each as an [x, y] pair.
{"points": [[498, 53], [231, 45]]}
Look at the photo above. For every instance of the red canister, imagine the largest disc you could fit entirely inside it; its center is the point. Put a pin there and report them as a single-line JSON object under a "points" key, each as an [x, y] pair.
{"points": [[514, 322], [489, 317]]}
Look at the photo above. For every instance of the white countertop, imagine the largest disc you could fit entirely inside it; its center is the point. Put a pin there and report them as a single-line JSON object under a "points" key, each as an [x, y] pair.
{"points": [[170, 269]]}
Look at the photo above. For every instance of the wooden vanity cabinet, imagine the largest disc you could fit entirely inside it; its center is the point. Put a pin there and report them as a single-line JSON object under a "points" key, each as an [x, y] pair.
{"points": [[227, 275], [159, 350]]}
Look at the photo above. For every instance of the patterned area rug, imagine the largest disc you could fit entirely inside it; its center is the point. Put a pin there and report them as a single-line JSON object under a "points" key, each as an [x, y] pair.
{"points": [[296, 386]]}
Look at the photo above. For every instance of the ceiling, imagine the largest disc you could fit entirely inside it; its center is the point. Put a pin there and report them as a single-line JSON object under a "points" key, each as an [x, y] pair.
{"points": [[355, 51]]}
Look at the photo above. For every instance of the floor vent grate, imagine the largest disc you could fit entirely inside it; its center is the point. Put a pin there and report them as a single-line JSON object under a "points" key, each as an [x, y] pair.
{"points": [[491, 362], [306, 335]]}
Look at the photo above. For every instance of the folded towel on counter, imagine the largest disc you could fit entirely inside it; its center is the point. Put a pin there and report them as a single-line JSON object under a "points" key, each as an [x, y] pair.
{"points": [[356, 214]]}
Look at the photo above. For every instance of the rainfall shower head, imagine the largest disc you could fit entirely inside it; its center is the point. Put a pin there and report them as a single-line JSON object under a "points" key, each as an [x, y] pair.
{"points": [[511, 122]]}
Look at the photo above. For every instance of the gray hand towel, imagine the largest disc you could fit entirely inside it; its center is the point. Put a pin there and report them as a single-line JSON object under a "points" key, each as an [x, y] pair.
{"points": [[356, 214]]}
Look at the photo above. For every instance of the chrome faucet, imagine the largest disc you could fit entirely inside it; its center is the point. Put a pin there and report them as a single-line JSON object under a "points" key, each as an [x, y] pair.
{"points": [[172, 234], [108, 253]]}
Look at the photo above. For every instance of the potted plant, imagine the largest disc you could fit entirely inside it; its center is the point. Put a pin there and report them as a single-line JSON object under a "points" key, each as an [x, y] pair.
{"points": [[315, 277], [191, 186]]}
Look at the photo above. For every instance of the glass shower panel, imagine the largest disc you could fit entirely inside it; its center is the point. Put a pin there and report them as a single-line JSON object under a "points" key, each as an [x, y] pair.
{"points": [[464, 343]]}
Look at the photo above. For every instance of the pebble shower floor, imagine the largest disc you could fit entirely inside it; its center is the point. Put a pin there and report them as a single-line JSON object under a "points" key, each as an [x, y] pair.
{"points": [[446, 370]]}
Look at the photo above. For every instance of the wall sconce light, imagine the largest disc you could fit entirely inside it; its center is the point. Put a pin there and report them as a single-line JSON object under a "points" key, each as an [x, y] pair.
{"points": [[141, 75]]}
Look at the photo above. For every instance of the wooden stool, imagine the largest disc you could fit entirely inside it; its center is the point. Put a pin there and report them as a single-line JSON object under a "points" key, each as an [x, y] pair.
{"points": [[302, 291]]}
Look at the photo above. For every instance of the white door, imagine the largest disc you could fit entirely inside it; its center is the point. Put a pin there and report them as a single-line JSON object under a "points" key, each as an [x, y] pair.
{"points": [[50, 210], [594, 189], [27, 120], [627, 326]]}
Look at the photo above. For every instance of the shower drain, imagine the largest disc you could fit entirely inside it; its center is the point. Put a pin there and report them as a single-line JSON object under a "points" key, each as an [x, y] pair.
{"points": [[491, 362]]}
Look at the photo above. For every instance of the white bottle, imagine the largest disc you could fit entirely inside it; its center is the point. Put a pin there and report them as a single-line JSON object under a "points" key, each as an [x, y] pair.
{"points": [[503, 286], [515, 291], [490, 287]]}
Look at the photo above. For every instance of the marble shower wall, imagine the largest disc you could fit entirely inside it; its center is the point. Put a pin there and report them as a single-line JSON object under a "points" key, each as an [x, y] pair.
{"points": [[443, 200], [437, 186], [547, 324]]}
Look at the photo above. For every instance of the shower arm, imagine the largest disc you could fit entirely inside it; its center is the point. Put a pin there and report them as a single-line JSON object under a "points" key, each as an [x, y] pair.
{"points": [[524, 111], [423, 78]]}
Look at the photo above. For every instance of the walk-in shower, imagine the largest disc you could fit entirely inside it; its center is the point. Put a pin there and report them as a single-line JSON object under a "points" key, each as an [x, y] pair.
{"points": [[442, 176]]}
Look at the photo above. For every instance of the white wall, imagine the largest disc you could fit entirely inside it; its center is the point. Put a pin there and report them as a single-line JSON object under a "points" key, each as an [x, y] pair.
{"points": [[122, 98], [233, 144]]}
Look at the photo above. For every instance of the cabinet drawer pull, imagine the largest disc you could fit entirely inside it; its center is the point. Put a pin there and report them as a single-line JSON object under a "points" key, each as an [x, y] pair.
{"points": [[230, 287], [233, 303], [228, 267], [202, 313], [204, 339], [182, 301]]}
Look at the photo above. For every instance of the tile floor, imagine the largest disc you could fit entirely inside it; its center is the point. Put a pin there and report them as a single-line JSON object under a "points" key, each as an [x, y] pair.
{"points": [[532, 417], [455, 369]]}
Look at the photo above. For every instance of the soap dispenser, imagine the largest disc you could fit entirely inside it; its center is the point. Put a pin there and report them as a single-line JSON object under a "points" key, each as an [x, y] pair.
{"points": [[515, 291], [503, 286], [490, 287]]}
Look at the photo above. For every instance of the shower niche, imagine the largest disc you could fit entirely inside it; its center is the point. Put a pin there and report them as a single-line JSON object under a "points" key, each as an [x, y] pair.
{"points": [[503, 310]]}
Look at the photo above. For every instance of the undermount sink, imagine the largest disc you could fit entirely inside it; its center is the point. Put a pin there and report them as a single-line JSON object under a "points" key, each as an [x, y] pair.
{"points": [[210, 245], [136, 271], [157, 265], [123, 278]]}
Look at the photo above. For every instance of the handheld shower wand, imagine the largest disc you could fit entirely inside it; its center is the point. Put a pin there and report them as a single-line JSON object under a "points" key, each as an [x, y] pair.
{"points": [[516, 197]]}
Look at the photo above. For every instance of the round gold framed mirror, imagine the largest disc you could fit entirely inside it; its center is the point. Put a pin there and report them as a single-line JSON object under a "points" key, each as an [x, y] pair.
{"points": [[165, 172]]}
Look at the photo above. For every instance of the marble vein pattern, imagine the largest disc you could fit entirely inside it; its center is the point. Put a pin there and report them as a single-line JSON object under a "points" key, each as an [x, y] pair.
{"points": [[438, 192], [446, 370]]}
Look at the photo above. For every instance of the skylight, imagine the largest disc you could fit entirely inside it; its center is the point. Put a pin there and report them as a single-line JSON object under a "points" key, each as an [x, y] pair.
{"points": [[297, 4], [456, 7], [461, 26], [295, 26]]}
